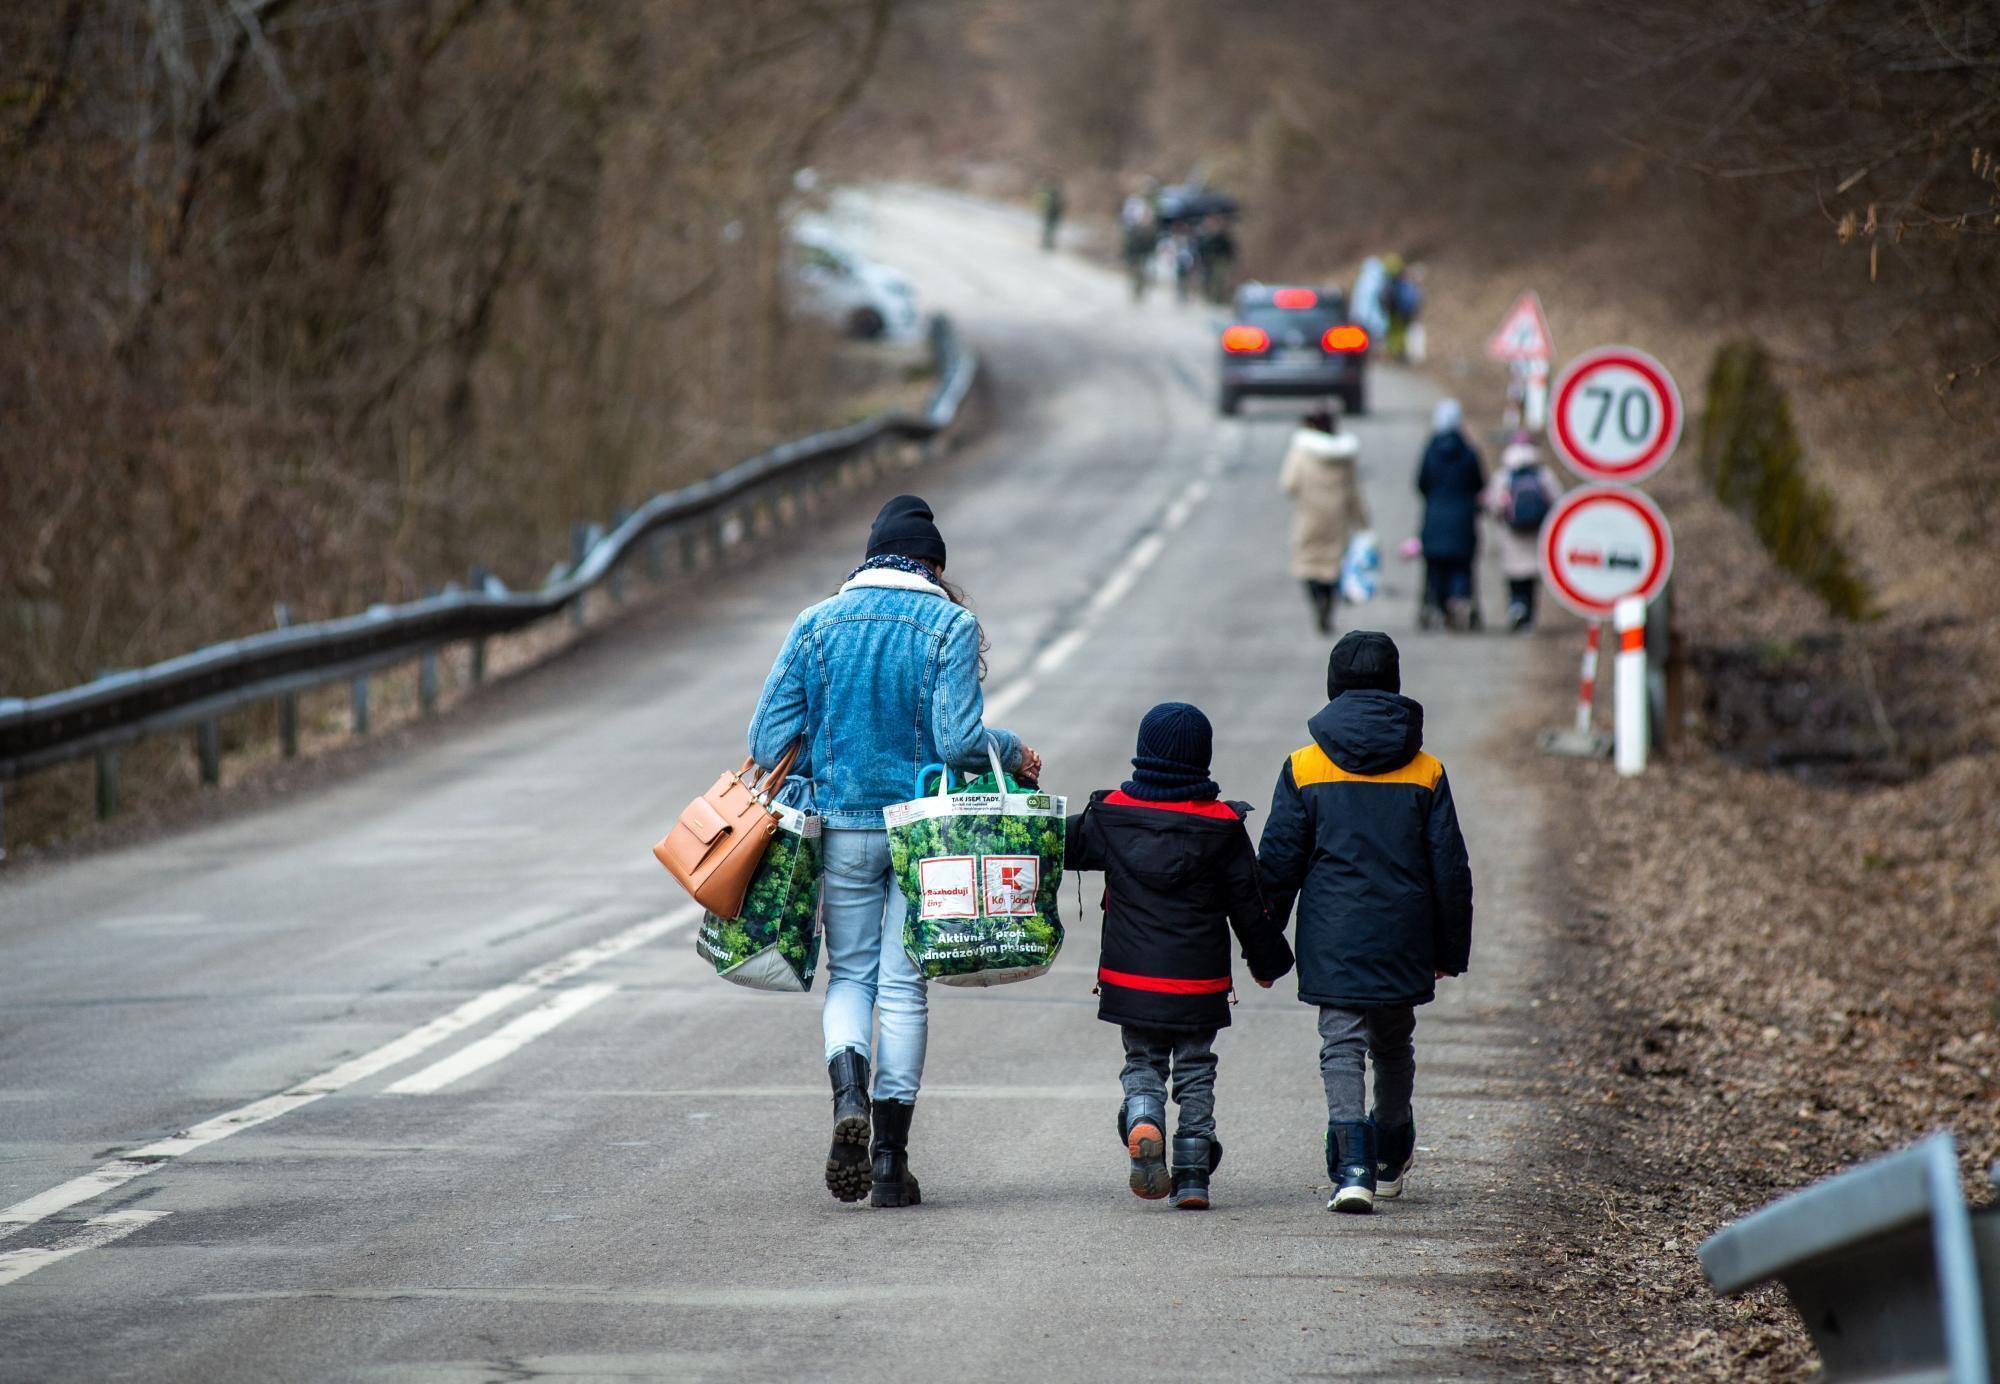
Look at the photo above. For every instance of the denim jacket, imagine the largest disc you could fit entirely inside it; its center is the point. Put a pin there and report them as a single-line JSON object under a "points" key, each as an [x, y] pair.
{"points": [[882, 680]]}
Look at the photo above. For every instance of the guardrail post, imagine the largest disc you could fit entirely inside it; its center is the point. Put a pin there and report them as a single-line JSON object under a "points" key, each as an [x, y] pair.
{"points": [[208, 751], [579, 544], [656, 557], [427, 682], [478, 577], [359, 693], [3, 821], [107, 784], [288, 705], [615, 584]]}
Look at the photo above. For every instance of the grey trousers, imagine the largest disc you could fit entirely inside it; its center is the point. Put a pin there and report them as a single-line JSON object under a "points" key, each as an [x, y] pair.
{"points": [[1348, 1037], [1154, 1054]]}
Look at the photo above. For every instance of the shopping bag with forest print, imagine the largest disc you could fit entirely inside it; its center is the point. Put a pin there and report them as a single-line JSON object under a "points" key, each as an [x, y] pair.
{"points": [[774, 945], [979, 867]]}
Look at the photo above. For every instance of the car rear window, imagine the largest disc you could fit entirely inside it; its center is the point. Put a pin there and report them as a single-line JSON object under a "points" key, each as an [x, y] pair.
{"points": [[1312, 321]]}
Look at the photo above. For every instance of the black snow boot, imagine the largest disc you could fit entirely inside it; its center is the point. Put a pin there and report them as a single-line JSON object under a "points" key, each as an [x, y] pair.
{"points": [[1194, 1160], [847, 1160], [894, 1184]]}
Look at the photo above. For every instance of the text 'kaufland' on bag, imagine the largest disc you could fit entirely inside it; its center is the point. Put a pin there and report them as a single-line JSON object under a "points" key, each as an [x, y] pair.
{"points": [[979, 868]]}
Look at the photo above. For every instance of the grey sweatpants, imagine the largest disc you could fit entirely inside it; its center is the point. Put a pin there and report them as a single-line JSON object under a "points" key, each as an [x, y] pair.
{"points": [[1347, 1038], [1154, 1054]]}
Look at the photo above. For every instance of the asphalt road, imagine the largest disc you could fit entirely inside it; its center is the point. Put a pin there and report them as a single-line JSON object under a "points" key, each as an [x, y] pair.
{"points": [[442, 1163]]}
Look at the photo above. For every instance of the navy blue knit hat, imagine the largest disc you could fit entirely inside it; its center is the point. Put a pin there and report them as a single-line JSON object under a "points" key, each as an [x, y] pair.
{"points": [[905, 528], [1364, 659], [1175, 742]]}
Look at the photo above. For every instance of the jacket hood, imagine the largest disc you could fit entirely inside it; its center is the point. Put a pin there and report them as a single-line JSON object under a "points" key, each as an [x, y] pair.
{"points": [[1319, 444], [1369, 732]]}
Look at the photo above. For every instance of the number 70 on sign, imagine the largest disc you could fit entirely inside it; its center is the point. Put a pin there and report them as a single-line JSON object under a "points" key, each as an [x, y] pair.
{"points": [[1615, 414]]}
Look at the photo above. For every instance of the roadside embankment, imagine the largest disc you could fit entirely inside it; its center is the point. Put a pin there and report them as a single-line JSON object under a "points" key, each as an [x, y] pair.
{"points": [[1778, 953]]}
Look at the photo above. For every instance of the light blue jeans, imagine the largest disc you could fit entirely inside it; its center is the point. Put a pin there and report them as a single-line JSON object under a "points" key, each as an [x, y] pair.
{"points": [[869, 975]]}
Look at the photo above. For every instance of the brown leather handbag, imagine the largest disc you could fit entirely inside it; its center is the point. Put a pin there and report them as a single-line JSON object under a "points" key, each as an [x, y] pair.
{"points": [[721, 836]]}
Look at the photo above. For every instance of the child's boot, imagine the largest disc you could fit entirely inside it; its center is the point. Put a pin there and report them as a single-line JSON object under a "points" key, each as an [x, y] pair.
{"points": [[1142, 1123], [1395, 1154], [1350, 1163], [1194, 1160]]}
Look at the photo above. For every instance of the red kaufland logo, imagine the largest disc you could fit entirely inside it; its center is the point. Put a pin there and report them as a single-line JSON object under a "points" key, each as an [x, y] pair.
{"points": [[1012, 882]]}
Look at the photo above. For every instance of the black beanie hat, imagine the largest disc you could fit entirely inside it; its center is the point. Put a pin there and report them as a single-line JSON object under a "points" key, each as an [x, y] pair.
{"points": [[1175, 741], [1364, 659], [905, 528]]}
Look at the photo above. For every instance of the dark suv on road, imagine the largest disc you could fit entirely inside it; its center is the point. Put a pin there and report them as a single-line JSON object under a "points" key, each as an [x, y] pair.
{"points": [[1293, 341]]}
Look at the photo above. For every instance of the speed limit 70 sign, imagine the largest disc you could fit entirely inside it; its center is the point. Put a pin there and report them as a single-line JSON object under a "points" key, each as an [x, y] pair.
{"points": [[1615, 414]]}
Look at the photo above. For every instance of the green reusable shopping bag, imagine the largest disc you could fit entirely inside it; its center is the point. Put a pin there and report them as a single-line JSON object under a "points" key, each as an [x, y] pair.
{"points": [[775, 944], [979, 867]]}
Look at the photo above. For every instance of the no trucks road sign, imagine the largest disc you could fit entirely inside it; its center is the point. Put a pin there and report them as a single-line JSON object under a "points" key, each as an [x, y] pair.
{"points": [[1602, 543], [1615, 415]]}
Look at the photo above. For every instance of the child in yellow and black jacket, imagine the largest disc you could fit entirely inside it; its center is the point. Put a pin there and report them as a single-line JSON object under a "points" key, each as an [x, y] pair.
{"points": [[1364, 837]]}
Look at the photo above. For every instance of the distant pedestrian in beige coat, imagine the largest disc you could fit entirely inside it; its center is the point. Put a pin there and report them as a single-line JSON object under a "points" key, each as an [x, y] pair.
{"points": [[1328, 508]]}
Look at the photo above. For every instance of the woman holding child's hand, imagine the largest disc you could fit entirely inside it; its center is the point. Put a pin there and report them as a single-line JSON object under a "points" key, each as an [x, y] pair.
{"points": [[895, 648]]}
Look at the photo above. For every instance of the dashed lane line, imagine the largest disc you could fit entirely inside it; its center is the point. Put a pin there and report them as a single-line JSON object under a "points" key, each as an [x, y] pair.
{"points": [[1115, 588], [139, 1162], [490, 1049], [17, 1264]]}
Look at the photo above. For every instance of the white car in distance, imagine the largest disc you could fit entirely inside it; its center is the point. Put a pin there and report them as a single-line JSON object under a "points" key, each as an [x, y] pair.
{"points": [[837, 284]]}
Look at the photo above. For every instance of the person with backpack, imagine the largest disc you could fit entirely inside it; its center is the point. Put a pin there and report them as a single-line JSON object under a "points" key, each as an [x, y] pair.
{"points": [[1520, 495], [1179, 874]]}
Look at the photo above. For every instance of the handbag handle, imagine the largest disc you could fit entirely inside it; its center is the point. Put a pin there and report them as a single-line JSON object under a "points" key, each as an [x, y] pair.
{"points": [[766, 786]]}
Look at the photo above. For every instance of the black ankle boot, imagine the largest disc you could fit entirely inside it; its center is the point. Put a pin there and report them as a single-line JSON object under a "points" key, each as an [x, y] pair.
{"points": [[894, 1185], [847, 1159], [1194, 1160]]}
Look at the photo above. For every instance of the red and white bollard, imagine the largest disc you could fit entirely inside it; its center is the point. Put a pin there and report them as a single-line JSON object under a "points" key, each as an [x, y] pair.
{"points": [[1629, 688], [1587, 690]]}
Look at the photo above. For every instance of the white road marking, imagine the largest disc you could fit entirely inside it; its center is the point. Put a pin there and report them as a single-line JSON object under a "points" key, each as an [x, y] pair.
{"points": [[17, 1264], [139, 1162], [1124, 577], [490, 1049]]}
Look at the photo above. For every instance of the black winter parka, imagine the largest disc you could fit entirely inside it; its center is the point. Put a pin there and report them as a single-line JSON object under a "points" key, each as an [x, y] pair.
{"points": [[1363, 834], [1177, 877]]}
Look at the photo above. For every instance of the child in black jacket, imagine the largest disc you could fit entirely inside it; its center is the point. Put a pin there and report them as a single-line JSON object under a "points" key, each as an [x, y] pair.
{"points": [[1179, 872], [1364, 835]]}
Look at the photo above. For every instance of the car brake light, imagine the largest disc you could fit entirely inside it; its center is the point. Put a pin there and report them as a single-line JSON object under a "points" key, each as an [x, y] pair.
{"points": [[1345, 339], [1295, 298], [1241, 339]]}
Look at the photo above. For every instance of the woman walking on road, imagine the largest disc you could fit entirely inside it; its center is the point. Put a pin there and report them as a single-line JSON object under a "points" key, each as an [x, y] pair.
{"points": [[1450, 479], [1328, 508], [881, 680], [1520, 495]]}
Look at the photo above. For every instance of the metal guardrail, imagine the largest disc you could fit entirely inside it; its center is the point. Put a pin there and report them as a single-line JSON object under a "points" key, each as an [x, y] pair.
{"points": [[1894, 1278], [195, 688]]}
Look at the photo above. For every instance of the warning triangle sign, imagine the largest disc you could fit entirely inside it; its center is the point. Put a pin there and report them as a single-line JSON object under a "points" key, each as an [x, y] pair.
{"points": [[1524, 335]]}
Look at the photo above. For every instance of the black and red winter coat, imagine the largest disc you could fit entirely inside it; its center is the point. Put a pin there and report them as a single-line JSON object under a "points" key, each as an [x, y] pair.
{"points": [[1177, 877]]}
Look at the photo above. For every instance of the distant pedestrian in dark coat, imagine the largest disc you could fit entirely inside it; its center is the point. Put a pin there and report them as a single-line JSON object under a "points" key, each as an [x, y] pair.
{"points": [[1450, 478], [1179, 873], [1364, 836]]}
